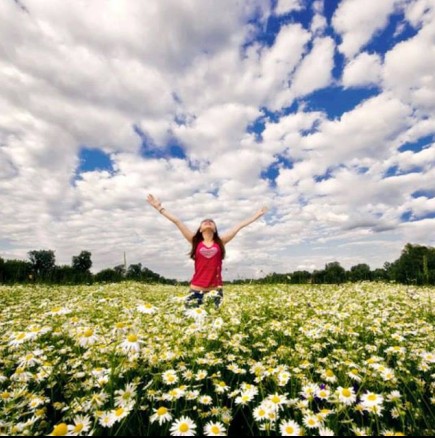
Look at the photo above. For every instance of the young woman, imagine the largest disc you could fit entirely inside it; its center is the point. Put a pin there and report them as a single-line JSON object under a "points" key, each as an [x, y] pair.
{"points": [[208, 251]]}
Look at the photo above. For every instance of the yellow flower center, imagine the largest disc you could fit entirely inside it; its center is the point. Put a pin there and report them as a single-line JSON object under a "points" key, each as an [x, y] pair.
{"points": [[346, 392], [88, 333], [372, 397], [275, 399], [184, 427], [119, 412], [21, 336], [162, 411], [78, 427], [60, 430], [215, 430], [120, 325], [329, 373], [290, 430], [132, 338]]}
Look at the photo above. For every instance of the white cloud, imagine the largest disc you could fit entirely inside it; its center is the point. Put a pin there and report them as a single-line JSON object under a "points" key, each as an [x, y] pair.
{"points": [[315, 71], [286, 6], [191, 72], [363, 70], [358, 20], [409, 74]]}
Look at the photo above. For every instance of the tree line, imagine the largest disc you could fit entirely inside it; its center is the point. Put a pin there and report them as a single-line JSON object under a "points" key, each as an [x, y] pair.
{"points": [[416, 265], [41, 268]]}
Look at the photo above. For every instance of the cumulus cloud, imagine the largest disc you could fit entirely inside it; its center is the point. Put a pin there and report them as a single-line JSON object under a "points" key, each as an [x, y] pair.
{"points": [[356, 21], [363, 70], [134, 79]]}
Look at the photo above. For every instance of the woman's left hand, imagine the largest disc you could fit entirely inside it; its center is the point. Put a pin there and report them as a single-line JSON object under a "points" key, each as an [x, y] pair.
{"points": [[261, 212]]}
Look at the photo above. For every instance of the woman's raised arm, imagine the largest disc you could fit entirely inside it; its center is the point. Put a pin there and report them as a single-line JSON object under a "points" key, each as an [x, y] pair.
{"points": [[188, 234], [232, 233]]}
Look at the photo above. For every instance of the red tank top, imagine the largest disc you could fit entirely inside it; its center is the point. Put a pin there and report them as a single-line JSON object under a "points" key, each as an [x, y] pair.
{"points": [[208, 266]]}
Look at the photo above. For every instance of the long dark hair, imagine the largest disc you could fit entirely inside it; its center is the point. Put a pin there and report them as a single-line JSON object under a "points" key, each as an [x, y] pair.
{"points": [[198, 237]]}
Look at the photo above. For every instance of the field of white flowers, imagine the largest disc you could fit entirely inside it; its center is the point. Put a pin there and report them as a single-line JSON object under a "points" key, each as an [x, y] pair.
{"points": [[129, 359]]}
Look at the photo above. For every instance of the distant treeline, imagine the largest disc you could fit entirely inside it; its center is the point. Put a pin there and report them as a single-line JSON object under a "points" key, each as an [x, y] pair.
{"points": [[41, 268], [416, 265]]}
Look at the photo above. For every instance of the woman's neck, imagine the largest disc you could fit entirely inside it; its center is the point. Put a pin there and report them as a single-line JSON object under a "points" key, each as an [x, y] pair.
{"points": [[208, 236]]}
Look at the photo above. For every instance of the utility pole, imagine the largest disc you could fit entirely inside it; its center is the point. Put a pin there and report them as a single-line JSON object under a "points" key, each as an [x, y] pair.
{"points": [[425, 270]]}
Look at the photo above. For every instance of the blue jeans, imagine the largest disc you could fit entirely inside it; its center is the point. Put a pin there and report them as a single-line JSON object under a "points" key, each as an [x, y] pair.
{"points": [[199, 297]]}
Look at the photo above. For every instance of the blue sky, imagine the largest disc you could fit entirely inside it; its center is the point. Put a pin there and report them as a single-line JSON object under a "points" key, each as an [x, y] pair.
{"points": [[322, 110]]}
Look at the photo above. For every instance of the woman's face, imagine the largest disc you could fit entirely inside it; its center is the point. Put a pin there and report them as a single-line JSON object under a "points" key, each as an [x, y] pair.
{"points": [[207, 224]]}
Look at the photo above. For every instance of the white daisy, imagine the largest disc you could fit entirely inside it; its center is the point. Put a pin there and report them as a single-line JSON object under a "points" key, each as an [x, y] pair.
{"points": [[290, 428], [162, 415], [183, 427], [214, 429]]}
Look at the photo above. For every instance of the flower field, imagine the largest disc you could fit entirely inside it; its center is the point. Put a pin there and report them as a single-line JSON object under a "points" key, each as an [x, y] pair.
{"points": [[274, 360]]}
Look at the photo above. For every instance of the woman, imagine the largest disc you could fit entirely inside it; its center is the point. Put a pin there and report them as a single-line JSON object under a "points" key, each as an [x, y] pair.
{"points": [[208, 251]]}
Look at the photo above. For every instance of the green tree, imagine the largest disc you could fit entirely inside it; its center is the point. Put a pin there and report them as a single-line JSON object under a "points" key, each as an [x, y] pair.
{"points": [[334, 273], [82, 262], [43, 263], [360, 272]]}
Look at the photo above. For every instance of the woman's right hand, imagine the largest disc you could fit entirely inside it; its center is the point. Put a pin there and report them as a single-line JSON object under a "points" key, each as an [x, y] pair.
{"points": [[154, 201]]}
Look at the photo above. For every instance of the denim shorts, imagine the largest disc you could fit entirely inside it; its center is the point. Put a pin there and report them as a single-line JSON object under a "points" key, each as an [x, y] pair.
{"points": [[198, 296]]}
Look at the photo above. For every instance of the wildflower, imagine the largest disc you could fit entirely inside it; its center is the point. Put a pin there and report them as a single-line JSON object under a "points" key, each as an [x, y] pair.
{"points": [[311, 421], [131, 343], [60, 429], [354, 375], [221, 387], [346, 396], [87, 337], [183, 427], [214, 429], [244, 398], [205, 400], [277, 400], [290, 428], [329, 376], [394, 396], [260, 413], [170, 377], [121, 412], [162, 415], [147, 308], [324, 431], [124, 397], [82, 425], [18, 339], [323, 394], [371, 399], [106, 419], [309, 390], [201, 375], [197, 313]]}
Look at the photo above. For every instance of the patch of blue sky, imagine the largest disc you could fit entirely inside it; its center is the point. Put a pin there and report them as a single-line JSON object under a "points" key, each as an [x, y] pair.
{"points": [[267, 32], [272, 172], [94, 159], [335, 101], [324, 177], [418, 145], [410, 216], [148, 148], [397, 30], [427, 193], [396, 171]]}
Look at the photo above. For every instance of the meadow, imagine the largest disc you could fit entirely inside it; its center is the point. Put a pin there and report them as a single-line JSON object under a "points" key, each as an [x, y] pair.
{"points": [[274, 360]]}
